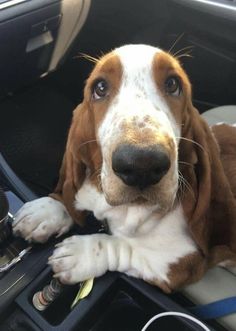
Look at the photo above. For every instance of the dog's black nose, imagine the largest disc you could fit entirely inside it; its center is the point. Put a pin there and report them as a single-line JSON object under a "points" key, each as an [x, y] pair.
{"points": [[140, 166]]}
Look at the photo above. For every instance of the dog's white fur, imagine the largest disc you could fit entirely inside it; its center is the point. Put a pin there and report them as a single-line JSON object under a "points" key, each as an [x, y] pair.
{"points": [[143, 243], [40, 219]]}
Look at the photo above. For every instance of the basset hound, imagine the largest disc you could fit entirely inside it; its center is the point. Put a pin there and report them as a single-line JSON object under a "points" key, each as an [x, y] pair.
{"points": [[140, 156]]}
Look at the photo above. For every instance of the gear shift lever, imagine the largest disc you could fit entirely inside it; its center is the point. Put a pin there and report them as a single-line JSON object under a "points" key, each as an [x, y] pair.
{"points": [[12, 250]]}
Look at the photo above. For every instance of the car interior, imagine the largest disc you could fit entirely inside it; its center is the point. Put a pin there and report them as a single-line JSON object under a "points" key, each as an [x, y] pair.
{"points": [[44, 62]]}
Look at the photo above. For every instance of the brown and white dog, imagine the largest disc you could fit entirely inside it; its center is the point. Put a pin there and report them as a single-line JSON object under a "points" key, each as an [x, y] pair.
{"points": [[140, 156]]}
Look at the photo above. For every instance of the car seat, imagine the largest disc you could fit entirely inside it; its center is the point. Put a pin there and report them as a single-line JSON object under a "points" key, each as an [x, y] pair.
{"points": [[218, 283]]}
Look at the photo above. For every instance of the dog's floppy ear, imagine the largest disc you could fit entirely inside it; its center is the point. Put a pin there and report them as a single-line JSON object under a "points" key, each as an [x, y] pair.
{"points": [[226, 137], [78, 160], [207, 199]]}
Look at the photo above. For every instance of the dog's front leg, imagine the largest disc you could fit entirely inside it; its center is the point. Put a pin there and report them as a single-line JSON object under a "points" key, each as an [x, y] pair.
{"points": [[78, 258], [82, 257], [39, 219]]}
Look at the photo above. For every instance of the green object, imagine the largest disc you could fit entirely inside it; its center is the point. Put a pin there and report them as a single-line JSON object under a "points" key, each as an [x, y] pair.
{"points": [[84, 291]]}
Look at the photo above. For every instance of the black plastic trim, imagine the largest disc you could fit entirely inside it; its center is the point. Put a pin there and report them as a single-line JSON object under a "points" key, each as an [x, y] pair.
{"points": [[24, 8], [15, 183], [225, 9]]}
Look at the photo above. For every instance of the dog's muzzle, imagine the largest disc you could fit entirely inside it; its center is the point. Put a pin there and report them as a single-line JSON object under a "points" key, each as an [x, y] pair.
{"points": [[140, 166]]}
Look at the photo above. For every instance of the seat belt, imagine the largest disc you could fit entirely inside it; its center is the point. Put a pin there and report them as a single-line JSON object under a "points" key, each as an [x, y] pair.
{"points": [[215, 309]]}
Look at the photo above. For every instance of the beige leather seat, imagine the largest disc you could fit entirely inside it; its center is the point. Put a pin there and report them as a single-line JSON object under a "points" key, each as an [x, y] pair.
{"points": [[218, 283], [225, 114]]}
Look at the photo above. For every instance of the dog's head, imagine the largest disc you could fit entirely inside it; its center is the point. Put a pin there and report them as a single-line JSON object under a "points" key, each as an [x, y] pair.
{"points": [[127, 130]]}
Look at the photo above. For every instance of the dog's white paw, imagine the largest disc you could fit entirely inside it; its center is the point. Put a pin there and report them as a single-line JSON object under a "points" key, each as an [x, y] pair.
{"points": [[79, 258], [39, 219]]}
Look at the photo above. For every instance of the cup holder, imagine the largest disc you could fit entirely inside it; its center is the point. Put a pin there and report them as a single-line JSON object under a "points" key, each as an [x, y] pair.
{"points": [[116, 303], [59, 315], [123, 313], [59, 309]]}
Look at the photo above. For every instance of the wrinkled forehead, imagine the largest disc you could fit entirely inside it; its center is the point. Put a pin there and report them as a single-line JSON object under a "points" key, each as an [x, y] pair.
{"points": [[128, 61], [136, 59], [138, 65]]}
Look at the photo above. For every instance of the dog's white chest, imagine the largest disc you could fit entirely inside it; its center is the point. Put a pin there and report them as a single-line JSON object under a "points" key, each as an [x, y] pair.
{"points": [[129, 220], [160, 241]]}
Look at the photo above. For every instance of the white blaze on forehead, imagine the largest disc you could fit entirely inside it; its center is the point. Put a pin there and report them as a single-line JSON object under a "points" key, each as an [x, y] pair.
{"points": [[137, 64], [138, 94], [136, 57], [137, 79]]}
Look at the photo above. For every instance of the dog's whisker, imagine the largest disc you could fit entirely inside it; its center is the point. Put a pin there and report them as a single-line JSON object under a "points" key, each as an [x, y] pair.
{"points": [[182, 50], [185, 185], [181, 187], [176, 42], [87, 142], [186, 163], [87, 57], [97, 173], [194, 142], [99, 179], [103, 53], [184, 55]]}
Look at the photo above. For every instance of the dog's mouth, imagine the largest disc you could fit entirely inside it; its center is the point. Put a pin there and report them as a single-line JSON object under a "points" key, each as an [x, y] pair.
{"points": [[134, 196], [161, 195], [140, 200]]}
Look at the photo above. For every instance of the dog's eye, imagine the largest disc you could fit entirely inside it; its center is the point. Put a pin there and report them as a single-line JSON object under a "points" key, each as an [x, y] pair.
{"points": [[173, 86], [100, 89]]}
